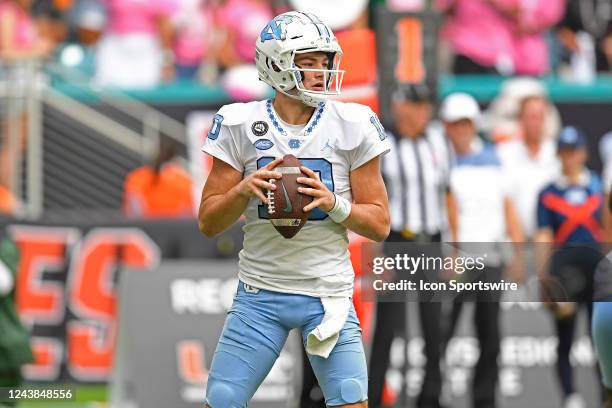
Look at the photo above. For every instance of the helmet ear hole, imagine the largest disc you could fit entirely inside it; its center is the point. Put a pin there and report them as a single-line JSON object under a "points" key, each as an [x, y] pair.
{"points": [[275, 67]]}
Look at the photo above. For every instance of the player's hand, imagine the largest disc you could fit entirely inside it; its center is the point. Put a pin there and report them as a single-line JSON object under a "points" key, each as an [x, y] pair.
{"points": [[323, 198], [252, 185]]}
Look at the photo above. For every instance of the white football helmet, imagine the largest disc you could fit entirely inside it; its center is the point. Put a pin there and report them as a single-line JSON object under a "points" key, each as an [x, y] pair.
{"points": [[294, 33]]}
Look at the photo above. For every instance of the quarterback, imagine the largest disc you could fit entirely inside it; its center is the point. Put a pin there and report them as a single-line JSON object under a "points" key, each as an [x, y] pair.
{"points": [[306, 282]]}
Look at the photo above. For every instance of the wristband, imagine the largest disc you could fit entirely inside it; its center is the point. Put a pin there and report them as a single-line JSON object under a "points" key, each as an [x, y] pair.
{"points": [[341, 209]]}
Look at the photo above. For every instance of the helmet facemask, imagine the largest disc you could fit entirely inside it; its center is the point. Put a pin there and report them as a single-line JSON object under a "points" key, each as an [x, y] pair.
{"points": [[332, 79]]}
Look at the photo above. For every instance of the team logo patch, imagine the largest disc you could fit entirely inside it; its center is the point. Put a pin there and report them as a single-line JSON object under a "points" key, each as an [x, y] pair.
{"points": [[294, 143], [379, 127], [263, 144], [259, 128]]}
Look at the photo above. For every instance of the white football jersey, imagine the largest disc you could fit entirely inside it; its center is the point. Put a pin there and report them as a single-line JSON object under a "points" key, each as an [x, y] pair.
{"points": [[339, 138]]}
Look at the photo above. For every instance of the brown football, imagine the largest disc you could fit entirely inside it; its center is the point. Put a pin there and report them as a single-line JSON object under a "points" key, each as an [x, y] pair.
{"points": [[286, 204]]}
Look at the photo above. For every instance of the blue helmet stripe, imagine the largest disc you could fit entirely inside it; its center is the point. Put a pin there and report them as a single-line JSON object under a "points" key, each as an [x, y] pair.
{"points": [[313, 20]]}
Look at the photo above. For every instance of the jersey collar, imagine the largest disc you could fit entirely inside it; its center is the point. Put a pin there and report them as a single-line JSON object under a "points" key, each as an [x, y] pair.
{"points": [[310, 126], [583, 181]]}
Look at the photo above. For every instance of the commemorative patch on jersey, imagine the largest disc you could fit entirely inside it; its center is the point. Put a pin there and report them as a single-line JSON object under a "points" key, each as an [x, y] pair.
{"points": [[379, 127], [295, 143], [263, 144], [259, 128]]}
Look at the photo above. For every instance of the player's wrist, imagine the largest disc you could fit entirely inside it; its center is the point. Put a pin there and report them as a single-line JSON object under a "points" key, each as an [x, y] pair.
{"points": [[331, 202], [242, 190], [341, 209]]}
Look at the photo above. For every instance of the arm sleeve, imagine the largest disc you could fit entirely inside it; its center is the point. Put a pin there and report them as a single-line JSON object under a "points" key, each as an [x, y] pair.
{"points": [[373, 143], [221, 144]]}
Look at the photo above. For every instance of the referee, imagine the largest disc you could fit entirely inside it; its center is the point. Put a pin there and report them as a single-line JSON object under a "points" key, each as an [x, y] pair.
{"points": [[416, 174]]}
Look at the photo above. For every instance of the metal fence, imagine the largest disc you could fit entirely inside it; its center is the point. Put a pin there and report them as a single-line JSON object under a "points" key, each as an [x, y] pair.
{"points": [[59, 154]]}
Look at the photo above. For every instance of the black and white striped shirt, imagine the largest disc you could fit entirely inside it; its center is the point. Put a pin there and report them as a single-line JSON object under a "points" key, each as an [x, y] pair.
{"points": [[416, 176]]}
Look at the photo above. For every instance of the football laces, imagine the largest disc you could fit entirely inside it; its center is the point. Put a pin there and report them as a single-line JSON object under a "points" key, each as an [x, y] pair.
{"points": [[270, 197]]}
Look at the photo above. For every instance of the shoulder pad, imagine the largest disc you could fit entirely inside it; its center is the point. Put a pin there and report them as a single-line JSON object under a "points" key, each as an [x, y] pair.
{"points": [[354, 112], [236, 113]]}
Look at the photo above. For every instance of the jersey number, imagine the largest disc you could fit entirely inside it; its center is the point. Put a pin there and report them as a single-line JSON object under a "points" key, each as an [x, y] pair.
{"points": [[215, 128], [320, 166]]}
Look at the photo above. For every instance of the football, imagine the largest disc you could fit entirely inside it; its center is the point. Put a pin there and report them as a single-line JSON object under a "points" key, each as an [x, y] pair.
{"points": [[286, 204]]}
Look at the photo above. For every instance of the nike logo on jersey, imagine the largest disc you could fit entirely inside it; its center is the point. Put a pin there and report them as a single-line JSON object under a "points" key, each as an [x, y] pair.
{"points": [[289, 206], [328, 146]]}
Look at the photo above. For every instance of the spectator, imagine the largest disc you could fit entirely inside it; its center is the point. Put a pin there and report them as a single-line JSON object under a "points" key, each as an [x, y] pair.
{"points": [[15, 348], [193, 25], [88, 19], [136, 49], [593, 19], [241, 22], [485, 215], [502, 119], [416, 175], [8, 203], [20, 41], [337, 14], [161, 190], [531, 159], [569, 212], [500, 36], [51, 18]]}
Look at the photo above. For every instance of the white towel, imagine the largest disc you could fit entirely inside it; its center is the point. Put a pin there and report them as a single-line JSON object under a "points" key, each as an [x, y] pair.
{"points": [[322, 340]]}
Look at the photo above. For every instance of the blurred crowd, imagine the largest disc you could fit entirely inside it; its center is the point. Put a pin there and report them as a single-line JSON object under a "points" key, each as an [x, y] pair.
{"points": [[141, 43]]}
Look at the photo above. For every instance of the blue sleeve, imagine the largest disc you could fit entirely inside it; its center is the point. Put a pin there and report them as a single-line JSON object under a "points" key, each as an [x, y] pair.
{"points": [[545, 218]]}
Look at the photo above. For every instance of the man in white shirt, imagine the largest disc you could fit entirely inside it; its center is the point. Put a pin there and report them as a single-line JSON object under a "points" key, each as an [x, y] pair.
{"points": [[532, 161], [485, 216]]}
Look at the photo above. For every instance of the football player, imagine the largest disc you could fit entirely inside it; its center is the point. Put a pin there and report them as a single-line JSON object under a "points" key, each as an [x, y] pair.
{"points": [[294, 284], [602, 321]]}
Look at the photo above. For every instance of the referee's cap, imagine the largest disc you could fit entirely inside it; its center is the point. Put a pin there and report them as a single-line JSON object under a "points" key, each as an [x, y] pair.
{"points": [[571, 137], [409, 92], [458, 106]]}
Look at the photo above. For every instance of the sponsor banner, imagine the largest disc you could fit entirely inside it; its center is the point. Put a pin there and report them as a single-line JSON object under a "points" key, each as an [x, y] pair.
{"points": [[66, 289], [527, 359], [168, 337]]}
